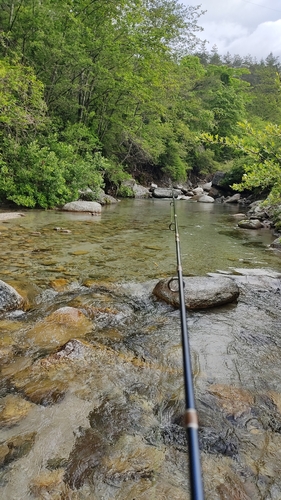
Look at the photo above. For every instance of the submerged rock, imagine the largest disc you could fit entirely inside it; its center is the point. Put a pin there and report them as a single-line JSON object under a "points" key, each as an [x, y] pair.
{"points": [[49, 484], [59, 327], [130, 457], [199, 292], [16, 447], [14, 409], [10, 299], [233, 400]]}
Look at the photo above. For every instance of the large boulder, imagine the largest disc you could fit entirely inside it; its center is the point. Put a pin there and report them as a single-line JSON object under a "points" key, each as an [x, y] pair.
{"points": [[217, 179], [200, 292], [166, 193], [10, 215], [198, 190], [233, 199], [250, 224], [257, 211], [207, 186], [205, 198], [138, 191], [83, 206], [10, 299]]}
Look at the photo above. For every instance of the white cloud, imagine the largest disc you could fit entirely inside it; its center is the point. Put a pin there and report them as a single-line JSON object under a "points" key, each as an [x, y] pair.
{"points": [[264, 39], [241, 26]]}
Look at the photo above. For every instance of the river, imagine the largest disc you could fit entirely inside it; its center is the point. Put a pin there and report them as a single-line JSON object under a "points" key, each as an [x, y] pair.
{"points": [[100, 418]]}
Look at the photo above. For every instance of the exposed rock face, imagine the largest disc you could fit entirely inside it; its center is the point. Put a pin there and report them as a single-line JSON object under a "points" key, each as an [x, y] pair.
{"points": [[250, 224], [200, 292], [217, 179], [83, 206], [10, 299]]}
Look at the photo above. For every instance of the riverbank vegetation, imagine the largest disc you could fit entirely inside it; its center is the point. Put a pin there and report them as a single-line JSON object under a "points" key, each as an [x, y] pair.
{"points": [[93, 92]]}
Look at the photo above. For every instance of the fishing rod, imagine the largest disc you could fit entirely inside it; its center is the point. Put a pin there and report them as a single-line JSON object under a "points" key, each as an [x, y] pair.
{"points": [[191, 419]]}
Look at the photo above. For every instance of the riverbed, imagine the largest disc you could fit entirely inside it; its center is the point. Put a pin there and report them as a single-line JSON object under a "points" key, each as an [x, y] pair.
{"points": [[91, 403], [129, 241]]}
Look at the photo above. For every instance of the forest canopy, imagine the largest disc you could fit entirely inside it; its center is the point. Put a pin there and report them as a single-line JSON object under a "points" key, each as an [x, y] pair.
{"points": [[92, 92]]}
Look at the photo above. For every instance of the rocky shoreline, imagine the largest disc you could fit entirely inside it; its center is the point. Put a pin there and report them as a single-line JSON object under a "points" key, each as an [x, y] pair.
{"points": [[99, 414]]}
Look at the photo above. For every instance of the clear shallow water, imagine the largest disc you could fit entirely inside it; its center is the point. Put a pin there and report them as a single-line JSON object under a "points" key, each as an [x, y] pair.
{"points": [[104, 424], [130, 241]]}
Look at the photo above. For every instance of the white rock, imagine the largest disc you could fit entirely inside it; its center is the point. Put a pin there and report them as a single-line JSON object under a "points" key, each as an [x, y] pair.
{"points": [[198, 190], [83, 206], [206, 199]]}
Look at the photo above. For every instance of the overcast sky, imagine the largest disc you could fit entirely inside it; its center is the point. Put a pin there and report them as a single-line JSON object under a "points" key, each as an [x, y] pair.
{"points": [[241, 26]]}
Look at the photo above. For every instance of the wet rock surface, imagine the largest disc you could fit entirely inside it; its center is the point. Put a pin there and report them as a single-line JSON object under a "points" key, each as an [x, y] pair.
{"points": [[13, 409], [9, 298], [100, 415], [250, 224], [59, 327], [199, 292]]}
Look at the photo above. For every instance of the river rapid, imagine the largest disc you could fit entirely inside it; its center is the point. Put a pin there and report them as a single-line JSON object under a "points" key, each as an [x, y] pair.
{"points": [[91, 371]]}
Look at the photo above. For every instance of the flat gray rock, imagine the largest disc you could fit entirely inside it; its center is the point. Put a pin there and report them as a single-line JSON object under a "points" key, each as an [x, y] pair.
{"points": [[83, 206], [166, 193], [10, 299], [200, 292]]}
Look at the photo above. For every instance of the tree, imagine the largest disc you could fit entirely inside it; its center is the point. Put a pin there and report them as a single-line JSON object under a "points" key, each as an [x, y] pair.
{"points": [[22, 107], [261, 150], [224, 92], [266, 97]]}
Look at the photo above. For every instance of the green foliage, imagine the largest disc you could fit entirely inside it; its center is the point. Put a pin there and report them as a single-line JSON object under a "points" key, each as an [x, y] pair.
{"points": [[22, 107], [125, 192], [94, 92], [277, 218], [265, 92], [235, 173], [262, 149], [33, 175]]}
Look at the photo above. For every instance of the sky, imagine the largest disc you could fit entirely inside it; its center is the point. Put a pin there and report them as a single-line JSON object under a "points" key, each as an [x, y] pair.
{"points": [[241, 26]]}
